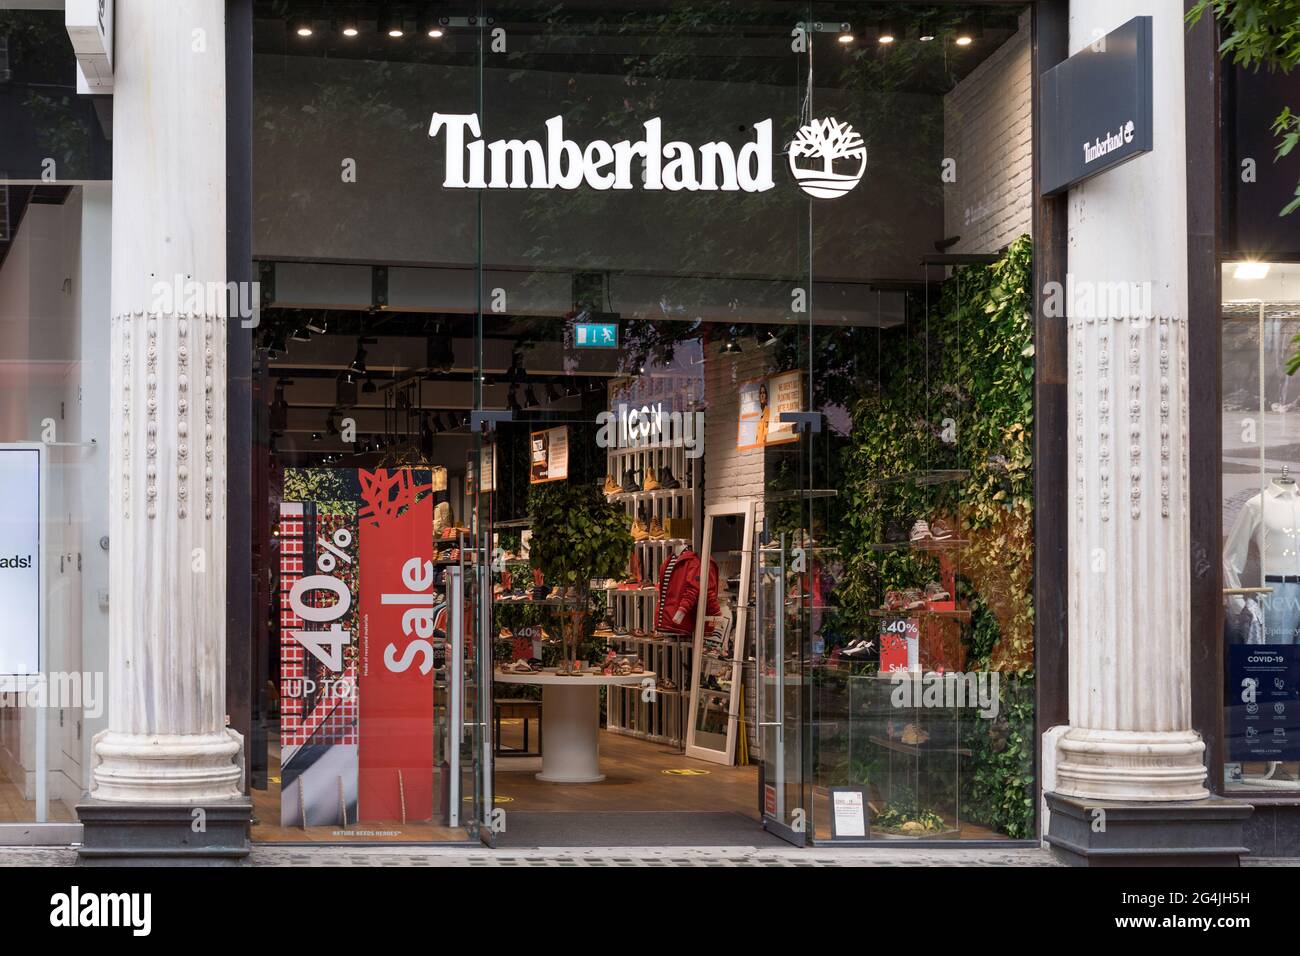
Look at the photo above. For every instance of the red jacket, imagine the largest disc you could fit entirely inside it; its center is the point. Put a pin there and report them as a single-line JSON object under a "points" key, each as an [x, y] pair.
{"points": [[679, 592]]}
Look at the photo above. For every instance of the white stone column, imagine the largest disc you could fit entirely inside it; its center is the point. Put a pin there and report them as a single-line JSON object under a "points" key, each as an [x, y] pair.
{"points": [[1130, 736], [166, 740]]}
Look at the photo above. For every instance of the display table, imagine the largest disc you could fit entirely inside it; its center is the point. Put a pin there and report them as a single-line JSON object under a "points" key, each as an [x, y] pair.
{"points": [[570, 721]]}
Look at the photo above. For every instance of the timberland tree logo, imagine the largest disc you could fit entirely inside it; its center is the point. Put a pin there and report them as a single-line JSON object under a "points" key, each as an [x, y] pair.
{"points": [[827, 159], [819, 145]]}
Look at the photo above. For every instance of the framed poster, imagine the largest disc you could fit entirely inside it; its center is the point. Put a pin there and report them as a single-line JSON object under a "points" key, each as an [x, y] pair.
{"points": [[22, 478], [762, 401], [753, 408], [848, 813], [785, 392], [548, 455], [487, 468]]}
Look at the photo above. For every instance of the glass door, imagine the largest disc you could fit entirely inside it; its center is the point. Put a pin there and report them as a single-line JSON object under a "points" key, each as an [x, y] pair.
{"points": [[779, 684], [479, 560]]}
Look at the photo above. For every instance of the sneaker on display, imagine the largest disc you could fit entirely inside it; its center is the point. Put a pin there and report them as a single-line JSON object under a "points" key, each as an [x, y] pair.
{"points": [[921, 530], [934, 591], [858, 649]]}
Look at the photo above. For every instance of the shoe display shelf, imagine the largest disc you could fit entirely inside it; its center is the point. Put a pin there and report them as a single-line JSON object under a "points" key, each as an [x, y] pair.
{"points": [[662, 719]]}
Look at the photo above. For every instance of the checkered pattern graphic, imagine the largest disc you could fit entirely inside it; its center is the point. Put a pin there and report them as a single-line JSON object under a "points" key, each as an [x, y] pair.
{"points": [[321, 718]]}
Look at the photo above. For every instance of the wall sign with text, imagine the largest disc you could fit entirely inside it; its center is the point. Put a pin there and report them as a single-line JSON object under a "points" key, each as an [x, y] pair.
{"points": [[1097, 108], [549, 455], [21, 480], [762, 401]]}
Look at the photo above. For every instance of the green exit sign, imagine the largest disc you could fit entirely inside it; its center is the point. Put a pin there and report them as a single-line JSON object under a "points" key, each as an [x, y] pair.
{"points": [[596, 335]]}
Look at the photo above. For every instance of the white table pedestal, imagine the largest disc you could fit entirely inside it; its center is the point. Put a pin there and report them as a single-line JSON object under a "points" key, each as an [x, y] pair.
{"points": [[570, 721], [571, 731]]}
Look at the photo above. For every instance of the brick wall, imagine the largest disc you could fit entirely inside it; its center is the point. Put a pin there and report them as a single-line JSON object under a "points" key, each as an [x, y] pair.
{"points": [[730, 474], [988, 131]]}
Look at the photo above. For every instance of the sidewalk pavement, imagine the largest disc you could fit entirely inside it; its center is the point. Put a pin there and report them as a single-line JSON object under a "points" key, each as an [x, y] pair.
{"points": [[327, 856]]}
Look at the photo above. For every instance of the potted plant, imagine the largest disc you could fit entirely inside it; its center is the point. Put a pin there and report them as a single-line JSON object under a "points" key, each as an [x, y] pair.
{"points": [[578, 534]]}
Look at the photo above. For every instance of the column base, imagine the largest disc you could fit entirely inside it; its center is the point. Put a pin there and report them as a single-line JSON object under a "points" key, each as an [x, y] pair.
{"points": [[1206, 832], [132, 834], [1129, 765], [165, 769]]}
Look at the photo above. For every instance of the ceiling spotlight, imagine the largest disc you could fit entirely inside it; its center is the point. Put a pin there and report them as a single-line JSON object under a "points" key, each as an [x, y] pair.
{"points": [[968, 33], [845, 38], [301, 335], [345, 390], [927, 33], [551, 394], [358, 365], [732, 345], [302, 27], [391, 25], [431, 26], [316, 324], [369, 388], [886, 33], [767, 337], [315, 436], [349, 26], [439, 354], [1249, 271], [530, 398]]}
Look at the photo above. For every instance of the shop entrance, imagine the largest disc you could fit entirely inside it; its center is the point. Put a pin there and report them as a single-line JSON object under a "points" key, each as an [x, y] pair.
{"points": [[620, 674]]}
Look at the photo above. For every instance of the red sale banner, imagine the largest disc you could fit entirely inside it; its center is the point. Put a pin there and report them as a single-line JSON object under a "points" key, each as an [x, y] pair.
{"points": [[397, 609]]}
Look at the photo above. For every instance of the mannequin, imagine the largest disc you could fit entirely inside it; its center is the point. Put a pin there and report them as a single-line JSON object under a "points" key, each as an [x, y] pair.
{"points": [[1271, 519]]}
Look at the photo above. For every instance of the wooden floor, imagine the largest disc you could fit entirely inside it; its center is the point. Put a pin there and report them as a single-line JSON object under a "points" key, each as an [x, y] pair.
{"points": [[14, 809], [638, 776]]}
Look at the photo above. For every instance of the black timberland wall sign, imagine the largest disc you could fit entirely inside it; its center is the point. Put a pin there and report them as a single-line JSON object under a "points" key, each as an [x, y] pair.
{"points": [[1096, 108]]}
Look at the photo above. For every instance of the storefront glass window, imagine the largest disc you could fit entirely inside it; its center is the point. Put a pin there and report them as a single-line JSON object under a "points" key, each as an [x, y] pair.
{"points": [[54, 332], [1261, 558], [701, 334]]}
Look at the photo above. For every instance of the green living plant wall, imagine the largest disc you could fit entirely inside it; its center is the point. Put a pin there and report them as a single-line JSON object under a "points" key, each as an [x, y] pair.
{"points": [[957, 394]]}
